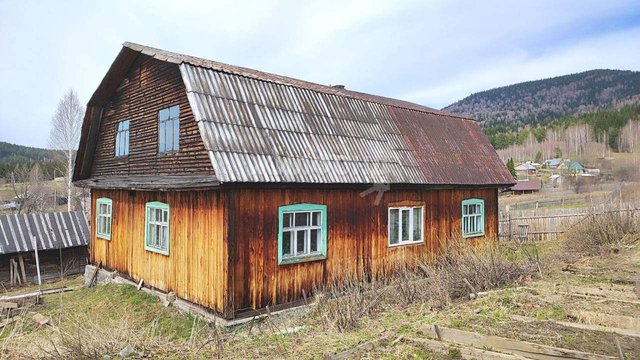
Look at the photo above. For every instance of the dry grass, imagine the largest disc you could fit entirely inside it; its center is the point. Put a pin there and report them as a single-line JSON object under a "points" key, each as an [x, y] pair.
{"points": [[432, 282], [598, 234]]}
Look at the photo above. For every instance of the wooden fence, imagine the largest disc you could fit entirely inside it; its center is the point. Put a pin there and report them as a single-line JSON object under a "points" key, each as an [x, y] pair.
{"points": [[549, 224]]}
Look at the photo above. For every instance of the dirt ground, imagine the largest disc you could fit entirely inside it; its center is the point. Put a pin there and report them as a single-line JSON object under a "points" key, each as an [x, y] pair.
{"points": [[103, 320]]}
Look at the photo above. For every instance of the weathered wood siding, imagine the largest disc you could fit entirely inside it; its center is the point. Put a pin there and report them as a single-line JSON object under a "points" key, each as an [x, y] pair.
{"points": [[196, 267], [357, 237], [150, 85], [224, 243]]}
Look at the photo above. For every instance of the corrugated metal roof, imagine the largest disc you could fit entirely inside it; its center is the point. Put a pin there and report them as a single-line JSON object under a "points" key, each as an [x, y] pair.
{"points": [[265, 128], [527, 185], [51, 231]]}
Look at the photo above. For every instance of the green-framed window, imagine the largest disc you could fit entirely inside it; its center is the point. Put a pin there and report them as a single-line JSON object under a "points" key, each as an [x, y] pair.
{"points": [[302, 234], [104, 207], [406, 225], [156, 235], [472, 217]]}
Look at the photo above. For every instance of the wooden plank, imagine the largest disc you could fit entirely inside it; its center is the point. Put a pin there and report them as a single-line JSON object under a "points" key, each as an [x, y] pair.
{"points": [[465, 352], [95, 273], [626, 332], [8, 305], [40, 319], [24, 274], [10, 320], [527, 349]]}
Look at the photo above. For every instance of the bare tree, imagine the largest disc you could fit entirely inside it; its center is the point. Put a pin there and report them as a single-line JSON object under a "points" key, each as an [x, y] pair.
{"points": [[28, 188], [65, 134]]}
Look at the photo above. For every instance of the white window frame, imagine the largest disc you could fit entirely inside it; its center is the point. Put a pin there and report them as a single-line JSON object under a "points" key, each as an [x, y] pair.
{"points": [[306, 251], [122, 138], [400, 227]]}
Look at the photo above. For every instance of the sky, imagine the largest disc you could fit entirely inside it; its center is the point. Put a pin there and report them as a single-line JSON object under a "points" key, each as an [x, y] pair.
{"points": [[429, 52]]}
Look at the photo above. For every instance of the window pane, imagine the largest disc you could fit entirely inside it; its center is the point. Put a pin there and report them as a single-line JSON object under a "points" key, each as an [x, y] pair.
{"points": [[405, 225], [301, 242], [393, 226], [125, 125], [117, 144], [168, 136], [176, 134], [317, 216], [152, 235], [165, 216], [302, 219], [286, 220], [174, 111], [417, 224], [315, 240], [164, 114], [165, 237], [286, 243], [108, 226]]}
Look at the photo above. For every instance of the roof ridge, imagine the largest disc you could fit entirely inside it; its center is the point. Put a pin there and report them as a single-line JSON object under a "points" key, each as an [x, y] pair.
{"points": [[177, 58]]}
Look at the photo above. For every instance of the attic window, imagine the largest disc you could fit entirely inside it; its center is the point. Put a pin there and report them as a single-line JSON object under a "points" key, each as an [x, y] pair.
{"points": [[169, 129], [122, 138]]}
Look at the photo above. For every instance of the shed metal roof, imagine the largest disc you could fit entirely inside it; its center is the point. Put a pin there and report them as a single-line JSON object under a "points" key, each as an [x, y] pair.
{"points": [[264, 128], [51, 231]]}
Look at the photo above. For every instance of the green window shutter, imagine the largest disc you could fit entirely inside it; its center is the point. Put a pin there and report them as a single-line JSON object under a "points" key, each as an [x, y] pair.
{"points": [[157, 235], [302, 234], [104, 211], [472, 218]]}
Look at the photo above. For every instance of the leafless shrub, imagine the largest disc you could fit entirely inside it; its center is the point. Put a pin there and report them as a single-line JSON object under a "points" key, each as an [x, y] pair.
{"points": [[344, 302], [601, 233]]}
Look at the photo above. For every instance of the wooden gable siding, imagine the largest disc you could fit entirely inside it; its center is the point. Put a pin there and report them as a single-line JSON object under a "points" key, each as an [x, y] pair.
{"points": [[196, 267], [357, 237], [149, 86]]}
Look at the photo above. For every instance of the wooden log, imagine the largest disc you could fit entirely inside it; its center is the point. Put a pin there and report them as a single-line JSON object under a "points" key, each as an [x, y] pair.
{"points": [[95, 273], [11, 275], [35, 294], [24, 274], [523, 348]]}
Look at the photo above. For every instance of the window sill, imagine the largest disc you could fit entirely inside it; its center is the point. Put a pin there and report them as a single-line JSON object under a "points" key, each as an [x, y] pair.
{"points": [[103, 237], [297, 260], [466, 236], [157, 251], [421, 242]]}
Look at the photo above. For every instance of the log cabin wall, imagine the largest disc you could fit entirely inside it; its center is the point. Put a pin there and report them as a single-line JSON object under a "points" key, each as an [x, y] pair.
{"points": [[149, 86], [356, 237], [197, 263]]}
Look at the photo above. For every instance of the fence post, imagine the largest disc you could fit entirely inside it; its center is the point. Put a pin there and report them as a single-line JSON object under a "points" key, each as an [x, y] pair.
{"points": [[509, 213]]}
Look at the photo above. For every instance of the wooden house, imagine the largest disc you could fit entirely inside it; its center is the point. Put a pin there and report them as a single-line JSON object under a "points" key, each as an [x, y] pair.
{"points": [[238, 189]]}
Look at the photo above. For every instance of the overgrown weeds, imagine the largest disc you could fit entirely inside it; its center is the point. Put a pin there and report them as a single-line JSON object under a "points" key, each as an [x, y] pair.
{"points": [[434, 281], [602, 233]]}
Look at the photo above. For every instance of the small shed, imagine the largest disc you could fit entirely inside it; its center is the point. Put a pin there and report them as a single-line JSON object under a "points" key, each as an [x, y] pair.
{"points": [[525, 169], [528, 186], [61, 239]]}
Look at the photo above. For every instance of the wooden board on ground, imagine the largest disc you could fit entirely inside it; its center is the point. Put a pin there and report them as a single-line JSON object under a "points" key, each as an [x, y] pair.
{"points": [[9, 321], [465, 352], [40, 319], [598, 318], [627, 332], [8, 305], [527, 349]]}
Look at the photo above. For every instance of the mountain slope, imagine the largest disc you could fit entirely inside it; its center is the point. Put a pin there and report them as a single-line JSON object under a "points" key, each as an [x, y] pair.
{"points": [[12, 155], [541, 101]]}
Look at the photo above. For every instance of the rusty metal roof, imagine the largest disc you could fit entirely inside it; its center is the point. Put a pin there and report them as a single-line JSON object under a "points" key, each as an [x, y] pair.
{"points": [[265, 128]]}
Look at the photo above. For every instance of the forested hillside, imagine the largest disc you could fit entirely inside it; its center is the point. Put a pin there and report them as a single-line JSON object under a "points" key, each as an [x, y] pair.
{"points": [[12, 155], [542, 101]]}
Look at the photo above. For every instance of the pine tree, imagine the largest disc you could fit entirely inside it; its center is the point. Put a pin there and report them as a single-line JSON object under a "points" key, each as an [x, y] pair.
{"points": [[512, 168]]}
